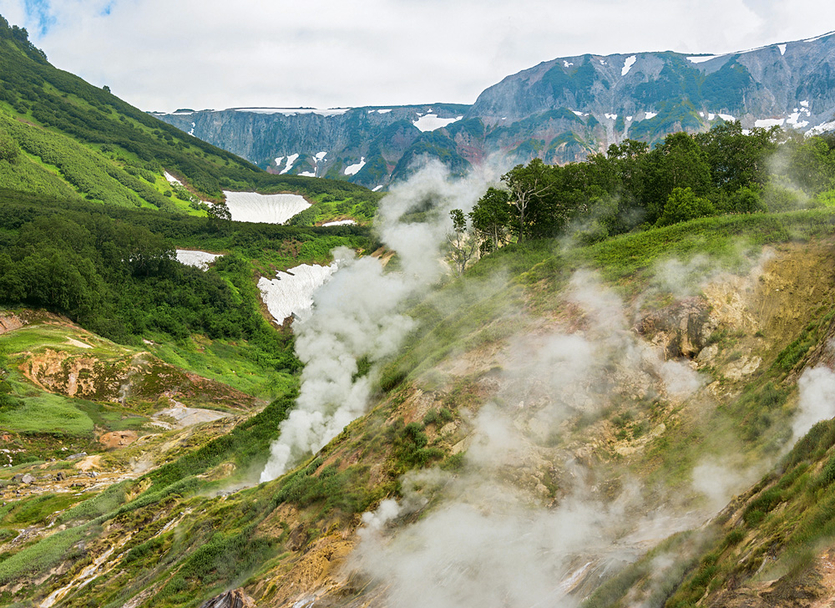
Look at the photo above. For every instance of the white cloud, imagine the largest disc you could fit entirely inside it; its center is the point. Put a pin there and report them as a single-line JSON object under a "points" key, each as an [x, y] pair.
{"points": [[160, 55]]}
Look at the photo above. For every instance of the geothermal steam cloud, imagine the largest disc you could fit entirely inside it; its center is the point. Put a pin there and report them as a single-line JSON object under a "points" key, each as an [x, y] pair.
{"points": [[486, 543], [355, 315]]}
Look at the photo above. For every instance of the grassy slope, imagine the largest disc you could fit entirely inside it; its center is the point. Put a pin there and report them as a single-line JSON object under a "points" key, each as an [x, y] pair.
{"points": [[251, 536], [75, 139]]}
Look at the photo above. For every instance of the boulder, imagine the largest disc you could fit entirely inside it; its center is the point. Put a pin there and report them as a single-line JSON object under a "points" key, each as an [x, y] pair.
{"points": [[237, 598]]}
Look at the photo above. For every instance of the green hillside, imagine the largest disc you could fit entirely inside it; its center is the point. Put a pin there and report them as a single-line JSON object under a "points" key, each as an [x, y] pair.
{"points": [[62, 137]]}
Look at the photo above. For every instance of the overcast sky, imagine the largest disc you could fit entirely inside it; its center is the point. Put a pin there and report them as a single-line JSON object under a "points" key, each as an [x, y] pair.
{"points": [[169, 54]]}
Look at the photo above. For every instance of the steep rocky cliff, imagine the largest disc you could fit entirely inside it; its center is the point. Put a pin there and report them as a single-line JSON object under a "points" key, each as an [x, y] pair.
{"points": [[560, 110]]}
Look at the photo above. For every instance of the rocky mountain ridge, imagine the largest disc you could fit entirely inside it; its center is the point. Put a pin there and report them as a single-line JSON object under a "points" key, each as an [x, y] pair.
{"points": [[560, 111]]}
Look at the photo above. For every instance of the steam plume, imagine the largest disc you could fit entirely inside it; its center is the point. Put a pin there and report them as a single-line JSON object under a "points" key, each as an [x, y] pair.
{"points": [[355, 315], [492, 543], [817, 399]]}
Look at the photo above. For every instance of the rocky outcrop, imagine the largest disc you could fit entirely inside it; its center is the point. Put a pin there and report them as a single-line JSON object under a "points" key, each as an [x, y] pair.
{"points": [[237, 598], [139, 376]]}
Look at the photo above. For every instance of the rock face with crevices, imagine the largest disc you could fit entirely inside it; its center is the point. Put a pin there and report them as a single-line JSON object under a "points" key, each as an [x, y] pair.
{"points": [[138, 376], [560, 111]]}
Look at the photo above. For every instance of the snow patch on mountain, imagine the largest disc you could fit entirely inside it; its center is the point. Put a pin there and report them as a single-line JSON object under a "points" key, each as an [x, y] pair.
{"points": [[291, 160], [782, 48], [766, 123], [355, 168], [294, 111], [627, 65], [291, 292], [702, 58], [821, 128], [198, 259], [266, 208], [822, 36], [432, 122], [171, 179]]}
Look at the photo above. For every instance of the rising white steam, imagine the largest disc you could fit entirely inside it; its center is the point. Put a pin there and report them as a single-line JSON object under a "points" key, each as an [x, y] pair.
{"points": [[719, 482], [356, 314], [817, 399], [501, 537]]}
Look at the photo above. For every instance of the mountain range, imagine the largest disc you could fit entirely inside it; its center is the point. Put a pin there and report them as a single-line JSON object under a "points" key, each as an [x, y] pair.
{"points": [[559, 111]]}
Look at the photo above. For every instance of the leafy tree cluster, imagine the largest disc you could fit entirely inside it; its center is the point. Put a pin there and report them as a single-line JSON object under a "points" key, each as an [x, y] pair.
{"points": [[726, 170], [121, 279]]}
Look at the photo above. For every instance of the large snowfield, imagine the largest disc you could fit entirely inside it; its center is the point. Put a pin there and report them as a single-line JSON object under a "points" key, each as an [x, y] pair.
{"points": [[266, 208], [291, 292]]}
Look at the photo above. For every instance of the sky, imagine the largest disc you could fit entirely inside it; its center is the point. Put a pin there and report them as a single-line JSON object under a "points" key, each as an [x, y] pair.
{"points": [[161, 55]]}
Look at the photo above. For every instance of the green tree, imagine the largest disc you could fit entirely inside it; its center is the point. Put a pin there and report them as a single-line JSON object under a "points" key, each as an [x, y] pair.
{"points": [[219, 213], [683, 205], [462, 242], [491, 219], [738, 159], [678, 163], [528, 185], [812, 164], [746, 200]]}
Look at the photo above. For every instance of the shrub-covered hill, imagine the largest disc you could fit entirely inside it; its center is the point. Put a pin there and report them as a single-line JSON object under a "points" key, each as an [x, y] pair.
{"points": [[63, 137]]}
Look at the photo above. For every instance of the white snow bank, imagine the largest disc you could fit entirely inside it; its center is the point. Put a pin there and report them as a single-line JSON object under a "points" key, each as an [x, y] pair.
{"points": [[648, 115], [340, 223], [355, 168], [431, 122], [266, 208], [291, 160], [611, 116], [295, 111], [291, 292], [818, 37], [199, 259], [727, 117], [627, 65], [782, 48], [171, 179], [766, 123], [821, 128], [702, 58]]}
